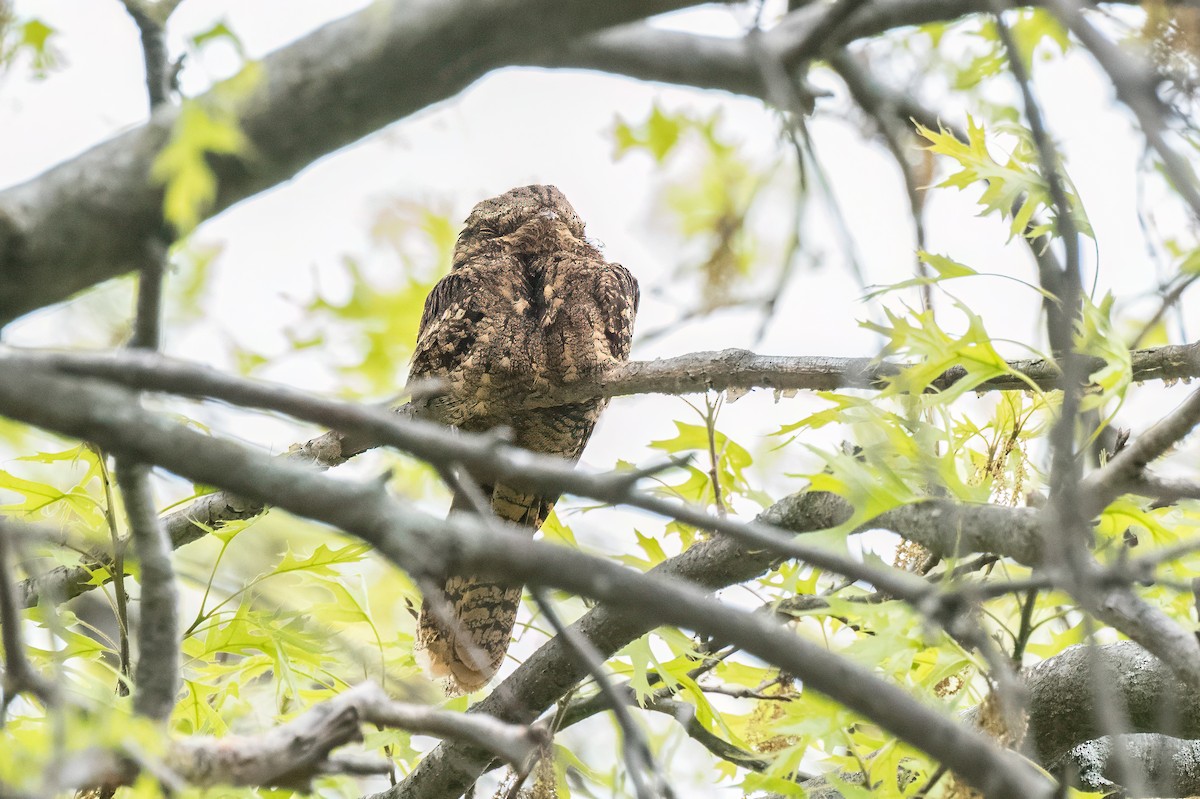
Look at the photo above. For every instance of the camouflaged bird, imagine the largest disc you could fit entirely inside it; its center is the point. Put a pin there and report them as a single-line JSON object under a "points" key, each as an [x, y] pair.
{"points": [[529, 304]]}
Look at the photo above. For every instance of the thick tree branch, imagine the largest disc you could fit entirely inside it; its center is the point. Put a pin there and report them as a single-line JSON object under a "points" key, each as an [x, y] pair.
{"points": [[1063, 697], [59, 232], [352, 77], [741, 369], [694, 372], [944, 527], [423, 545], [1171, 765]]}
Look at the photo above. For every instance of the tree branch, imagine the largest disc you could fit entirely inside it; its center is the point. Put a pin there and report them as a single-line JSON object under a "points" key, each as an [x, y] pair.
{"points": [[711, 62], [19, 675], [423, 545], [151, 20], [156, 679], [58, 232], [352, 77], [1062, 698], [693, 372], [638, 756], [944, 527], [292, 754], [1171, 766], [1126, 472], [1137, 88]]}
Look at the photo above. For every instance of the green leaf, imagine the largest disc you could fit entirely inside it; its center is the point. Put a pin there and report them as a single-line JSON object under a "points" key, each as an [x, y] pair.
{"points": [[33, 38], [322, 560], [640, 661], [1098, 337], [182, 167], [658, 135], [1015, 189], [1035, 27], [203, 128], [218, 32], [944, 268]]}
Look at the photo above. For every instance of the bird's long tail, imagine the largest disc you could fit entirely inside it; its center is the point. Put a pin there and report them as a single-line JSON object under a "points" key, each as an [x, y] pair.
{"points": [[463, 633]]}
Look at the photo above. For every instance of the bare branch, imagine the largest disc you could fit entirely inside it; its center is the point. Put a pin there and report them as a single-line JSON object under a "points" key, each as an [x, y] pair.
{"points": [[151, 20], [156, 679], [638, 756], [684, 714], [1166, 490], [694, 372], [1149, 626], [19, 675], [1136, 86], [740, 369], [513, 743], [1126, 472], [711, 62], [294, 753]]}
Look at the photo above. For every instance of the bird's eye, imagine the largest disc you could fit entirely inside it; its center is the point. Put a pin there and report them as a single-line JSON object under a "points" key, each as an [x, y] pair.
{"points": [[487, 231]]}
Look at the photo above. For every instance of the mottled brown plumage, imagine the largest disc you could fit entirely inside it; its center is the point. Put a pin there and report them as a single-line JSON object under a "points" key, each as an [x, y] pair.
{"points": [[529, 304]]}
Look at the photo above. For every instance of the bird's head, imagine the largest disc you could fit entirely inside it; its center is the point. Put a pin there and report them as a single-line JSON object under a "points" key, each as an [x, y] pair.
{"points": [[508, 212]]}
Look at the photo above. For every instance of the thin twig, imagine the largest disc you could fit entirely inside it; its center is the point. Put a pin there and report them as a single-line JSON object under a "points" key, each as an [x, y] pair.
{"points": [[1136, 86], [714, 460], [19, 676], [638, 755], [1169, 300], [685, 714], [1025, 630], [894, 130], [117, 575]]}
